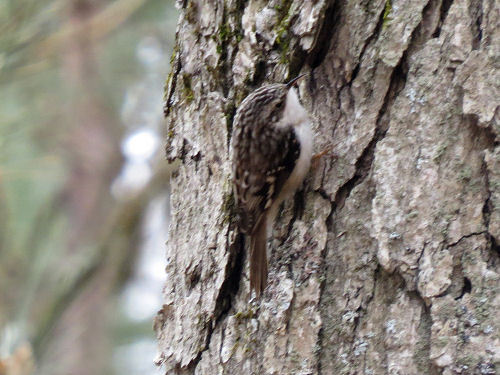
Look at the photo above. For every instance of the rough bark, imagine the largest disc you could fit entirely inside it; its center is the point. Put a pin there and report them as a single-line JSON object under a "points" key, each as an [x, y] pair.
{"points": [[387, 262]]}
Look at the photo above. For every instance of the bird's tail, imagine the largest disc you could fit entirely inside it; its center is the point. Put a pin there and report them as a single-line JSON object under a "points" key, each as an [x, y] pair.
{"points": [[258, 257]]}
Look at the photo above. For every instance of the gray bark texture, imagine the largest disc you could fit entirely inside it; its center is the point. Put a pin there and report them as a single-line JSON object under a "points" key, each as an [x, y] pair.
{"points": [[388, 260]]}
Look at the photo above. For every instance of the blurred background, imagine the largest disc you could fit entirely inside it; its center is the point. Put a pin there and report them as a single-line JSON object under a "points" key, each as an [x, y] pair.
{"points": [[83, 183]]}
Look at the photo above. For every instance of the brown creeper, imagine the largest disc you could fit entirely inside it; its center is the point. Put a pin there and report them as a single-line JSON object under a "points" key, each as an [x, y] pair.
{"points": [[272, 149]]}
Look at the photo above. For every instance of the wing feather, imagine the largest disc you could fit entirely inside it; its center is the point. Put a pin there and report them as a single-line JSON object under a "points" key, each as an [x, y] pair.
{"points": [[261, 168]]}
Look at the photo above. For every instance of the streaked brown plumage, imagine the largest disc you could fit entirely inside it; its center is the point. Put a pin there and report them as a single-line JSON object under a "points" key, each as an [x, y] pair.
{"points": [[272, 147]]}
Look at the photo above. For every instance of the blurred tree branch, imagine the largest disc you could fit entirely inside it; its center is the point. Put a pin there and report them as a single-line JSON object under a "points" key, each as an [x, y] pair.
{"points": [[117, 248], [31, 49], [67, 243]]}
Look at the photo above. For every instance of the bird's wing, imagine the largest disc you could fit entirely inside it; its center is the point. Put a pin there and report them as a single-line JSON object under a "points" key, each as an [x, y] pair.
{"points": [[261, 168]]}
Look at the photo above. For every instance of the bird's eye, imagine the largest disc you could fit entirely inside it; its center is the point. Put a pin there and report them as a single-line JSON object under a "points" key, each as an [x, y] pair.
{"points": [[279, 105]]}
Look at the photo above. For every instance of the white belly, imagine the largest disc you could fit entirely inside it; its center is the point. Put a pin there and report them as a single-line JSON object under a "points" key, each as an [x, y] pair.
{"points": [[294, 113]]}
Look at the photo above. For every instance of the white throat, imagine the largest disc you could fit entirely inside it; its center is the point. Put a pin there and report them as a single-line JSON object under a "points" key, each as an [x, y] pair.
{"points": [[293, 114]]}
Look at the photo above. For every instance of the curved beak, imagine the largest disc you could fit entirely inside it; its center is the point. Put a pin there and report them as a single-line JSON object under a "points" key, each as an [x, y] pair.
{"points": [[293, 82]]}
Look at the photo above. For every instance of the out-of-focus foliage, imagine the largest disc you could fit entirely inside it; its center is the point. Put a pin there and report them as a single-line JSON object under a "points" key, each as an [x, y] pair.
{"points": [[44, 112]]}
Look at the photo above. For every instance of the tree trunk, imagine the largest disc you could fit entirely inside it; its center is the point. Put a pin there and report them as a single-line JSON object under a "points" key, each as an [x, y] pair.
{"points": [[387, 262]]}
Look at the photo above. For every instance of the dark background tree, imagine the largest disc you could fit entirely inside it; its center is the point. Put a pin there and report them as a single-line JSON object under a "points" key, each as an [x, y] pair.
{"points": [[388, 260]]}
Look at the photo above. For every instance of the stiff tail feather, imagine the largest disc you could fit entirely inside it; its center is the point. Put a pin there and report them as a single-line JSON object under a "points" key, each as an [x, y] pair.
{"points": [[258, 258]]}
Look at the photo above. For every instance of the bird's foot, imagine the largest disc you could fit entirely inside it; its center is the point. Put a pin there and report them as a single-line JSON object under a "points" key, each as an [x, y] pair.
{"points": [[317, 157]]}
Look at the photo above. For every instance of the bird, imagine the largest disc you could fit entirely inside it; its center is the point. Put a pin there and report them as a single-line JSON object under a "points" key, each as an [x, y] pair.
{"points": [[272, 144]]}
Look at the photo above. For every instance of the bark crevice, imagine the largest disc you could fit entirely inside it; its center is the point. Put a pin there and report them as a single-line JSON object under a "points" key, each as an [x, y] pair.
{"points": [[326, 34], [443, 12]]}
